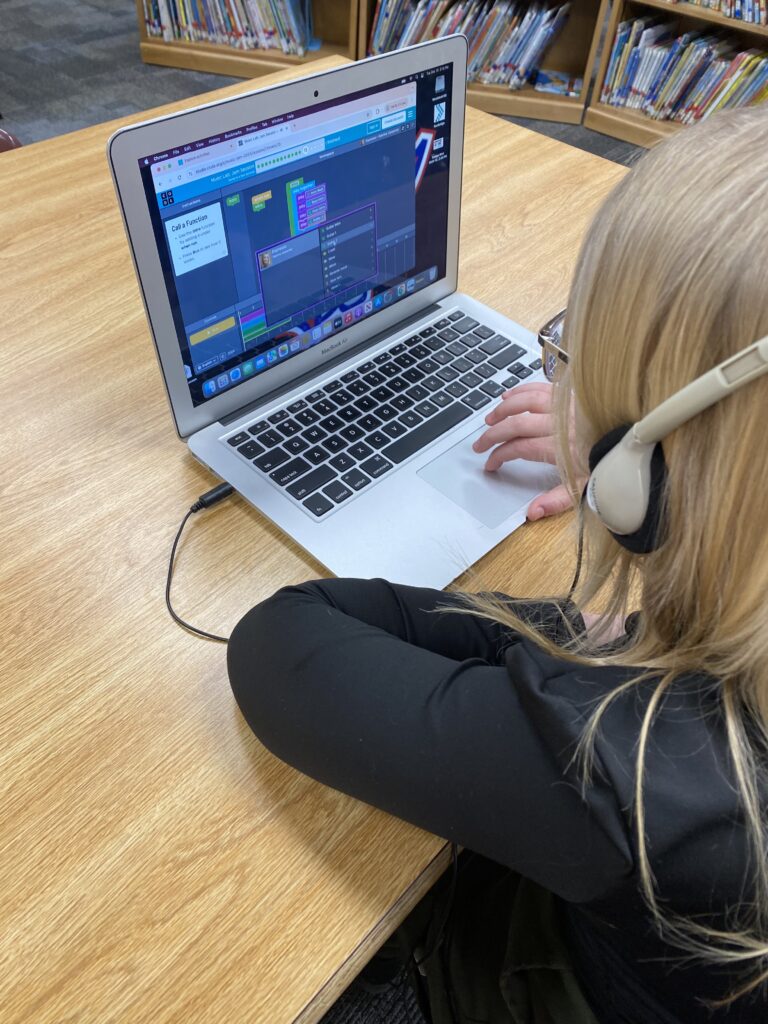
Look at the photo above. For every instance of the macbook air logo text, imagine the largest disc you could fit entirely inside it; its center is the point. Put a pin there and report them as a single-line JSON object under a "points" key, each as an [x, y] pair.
{"points": [[332, 347]]}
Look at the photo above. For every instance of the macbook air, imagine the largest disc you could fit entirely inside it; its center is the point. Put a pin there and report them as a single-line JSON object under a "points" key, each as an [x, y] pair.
{"points": [[297, 252]]}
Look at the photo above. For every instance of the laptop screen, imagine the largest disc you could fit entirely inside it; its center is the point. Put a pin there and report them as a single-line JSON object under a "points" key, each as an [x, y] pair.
{"points": [[281, 233]]}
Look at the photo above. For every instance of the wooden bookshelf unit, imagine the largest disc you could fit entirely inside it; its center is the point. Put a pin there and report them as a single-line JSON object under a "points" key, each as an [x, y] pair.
{"points": [[335, 22], [631, 125]]}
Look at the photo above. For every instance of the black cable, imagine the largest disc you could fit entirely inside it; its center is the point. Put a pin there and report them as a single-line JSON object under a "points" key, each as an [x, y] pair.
{"points": [[579, 549], [212, 497]]}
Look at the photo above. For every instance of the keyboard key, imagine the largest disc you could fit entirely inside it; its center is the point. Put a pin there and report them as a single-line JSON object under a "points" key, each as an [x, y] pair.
{"points": [[374, 379], [506, 356], [309, 483], [401, 403], [461, 364], [366, 367], [270, 438], [420, 351], [316, 455], [318, 505], [397, 349], [448, 334], [365, 404], [307, 417], [442, 357], [334, 444], [333, 386], [237, 439], [358, 388], [297, 406], [447, 373], [412, 375], [434, 344], [520, 371], [342, 462], [470, 339], [349, 413], [475, 355], [410, 419], [352, 433], [476, 399], [381, 394], [290, 471], [432, 428], [390, 369], [442, 323], [314, 434], [360, 451], [418, 393], [457, 314], [386, 412], [464, 325], [510, 382], [456, 348], [342, 397], [397, 384], [433, 384], [405, 360], [337, 491], [349, 377], [495, 344], [356, 479], [428, 366], [471, 379], [415, 339], [485, 371], [289, 428], [278, 417], [426, 409], [273, 459], [492, 388], [427, 332], [441, 399], [315, 396], [377, 439], [295, 445], [456, 389], [483, 332], [535, 365], [394, 429], [369, 422], [324, 407], [378, 465], [331, 424], [382, 357], [257, 428], [250, 449]]}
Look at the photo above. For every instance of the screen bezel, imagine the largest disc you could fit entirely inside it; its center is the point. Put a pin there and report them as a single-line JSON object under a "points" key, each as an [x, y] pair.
{"points": [[131, 144]]}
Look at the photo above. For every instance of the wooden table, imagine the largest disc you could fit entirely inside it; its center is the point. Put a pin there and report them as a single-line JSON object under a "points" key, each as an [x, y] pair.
{"points": [[156, 863]]}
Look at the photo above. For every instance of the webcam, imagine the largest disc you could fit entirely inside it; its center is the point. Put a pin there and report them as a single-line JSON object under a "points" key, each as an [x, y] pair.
{"points": [[316, 93]]}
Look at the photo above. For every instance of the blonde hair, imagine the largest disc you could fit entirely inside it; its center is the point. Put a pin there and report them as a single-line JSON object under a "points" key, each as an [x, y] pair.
{"points": [[672, 278]]}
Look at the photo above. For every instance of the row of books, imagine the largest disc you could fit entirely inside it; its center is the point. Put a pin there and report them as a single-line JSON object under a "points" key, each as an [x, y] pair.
{"points": [[682, 78], [506, 40], [244, 24], [753, 11]]}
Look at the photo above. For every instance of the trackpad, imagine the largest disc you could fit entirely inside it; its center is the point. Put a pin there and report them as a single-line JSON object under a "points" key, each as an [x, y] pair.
{"points": [[489, 497]]}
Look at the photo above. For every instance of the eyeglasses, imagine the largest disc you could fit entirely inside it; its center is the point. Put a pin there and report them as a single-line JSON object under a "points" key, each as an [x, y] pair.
{"points": [[551, 340]]}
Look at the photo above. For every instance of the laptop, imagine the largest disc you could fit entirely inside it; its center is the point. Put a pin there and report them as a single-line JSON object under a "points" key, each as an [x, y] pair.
{"points": [[297, 252]]}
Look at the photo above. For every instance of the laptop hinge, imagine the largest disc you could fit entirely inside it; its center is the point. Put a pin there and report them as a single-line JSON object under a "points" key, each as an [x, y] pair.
{"points": [[270, 396]]}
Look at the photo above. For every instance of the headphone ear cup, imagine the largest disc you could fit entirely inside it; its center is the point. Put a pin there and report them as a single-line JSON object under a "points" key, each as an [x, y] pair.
{"points": [[650, 534]]}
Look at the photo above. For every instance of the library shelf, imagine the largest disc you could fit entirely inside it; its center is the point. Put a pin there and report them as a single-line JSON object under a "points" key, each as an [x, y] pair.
{"points": [[631, 125]]}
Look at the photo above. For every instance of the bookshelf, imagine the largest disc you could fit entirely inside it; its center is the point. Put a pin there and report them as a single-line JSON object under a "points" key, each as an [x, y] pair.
{"points": [[573, 53], [335, 22], [631, 125]]}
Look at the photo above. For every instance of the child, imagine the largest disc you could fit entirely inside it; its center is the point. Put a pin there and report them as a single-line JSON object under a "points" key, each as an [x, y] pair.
{"points": [[611, 788]]}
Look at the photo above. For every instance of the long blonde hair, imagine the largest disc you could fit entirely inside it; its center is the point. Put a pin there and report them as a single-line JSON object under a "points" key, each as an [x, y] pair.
{"points": [[672, 278]]}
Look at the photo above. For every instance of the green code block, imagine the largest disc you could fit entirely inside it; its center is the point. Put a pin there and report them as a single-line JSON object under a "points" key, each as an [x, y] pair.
{"points": [[233, 200]]}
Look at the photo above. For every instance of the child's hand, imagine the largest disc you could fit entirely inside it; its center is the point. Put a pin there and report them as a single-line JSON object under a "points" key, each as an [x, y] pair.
{"points": [[521, 427]]}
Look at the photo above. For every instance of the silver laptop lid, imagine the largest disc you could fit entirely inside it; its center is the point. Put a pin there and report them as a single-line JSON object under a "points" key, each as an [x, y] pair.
{"points": [[273, 230]]}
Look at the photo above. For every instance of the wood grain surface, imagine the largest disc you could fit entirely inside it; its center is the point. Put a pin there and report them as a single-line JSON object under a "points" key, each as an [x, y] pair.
{"points": [[156, 863]]}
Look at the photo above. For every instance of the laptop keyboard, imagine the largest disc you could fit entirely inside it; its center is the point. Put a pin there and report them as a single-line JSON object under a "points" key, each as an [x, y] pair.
{"points": [[341, 438]]}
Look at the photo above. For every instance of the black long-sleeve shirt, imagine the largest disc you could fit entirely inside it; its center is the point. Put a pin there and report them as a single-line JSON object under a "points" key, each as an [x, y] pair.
{"points": [[466, 729]]}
